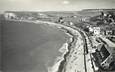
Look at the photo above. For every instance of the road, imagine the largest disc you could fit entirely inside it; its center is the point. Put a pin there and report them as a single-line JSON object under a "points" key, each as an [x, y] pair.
{"points": [[74, 60]]}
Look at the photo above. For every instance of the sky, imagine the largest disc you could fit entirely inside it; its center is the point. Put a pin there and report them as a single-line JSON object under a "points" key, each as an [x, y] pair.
{"points": [[54, 5]]}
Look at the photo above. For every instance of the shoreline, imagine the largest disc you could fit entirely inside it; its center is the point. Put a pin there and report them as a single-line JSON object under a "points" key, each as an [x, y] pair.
{"points": [[64, 64], [64, 50]]}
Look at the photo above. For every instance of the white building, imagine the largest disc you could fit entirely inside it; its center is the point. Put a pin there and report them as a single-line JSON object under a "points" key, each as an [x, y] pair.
{"points": [[71, 23], [10, 16], [96, 30], [91, 29]]}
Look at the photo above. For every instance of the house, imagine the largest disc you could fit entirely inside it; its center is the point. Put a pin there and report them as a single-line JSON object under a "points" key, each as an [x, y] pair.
{"points": [[108, 32], [96, 30], [10, 16], [105, 57], [90, 29], [71, 23]]}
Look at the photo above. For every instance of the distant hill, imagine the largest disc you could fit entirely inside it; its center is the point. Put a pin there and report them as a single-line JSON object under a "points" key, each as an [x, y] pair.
{"points": [[67, 16], [93, 12], [97, 10], [48, 13]]}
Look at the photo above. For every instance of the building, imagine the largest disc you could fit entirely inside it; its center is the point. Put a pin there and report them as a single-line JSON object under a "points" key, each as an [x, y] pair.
{"points": [[96, 30], [105, 57], [110, 31], [10, 16], [90, 28]]}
